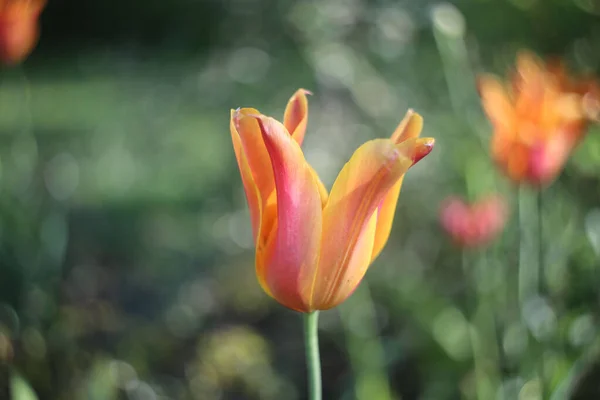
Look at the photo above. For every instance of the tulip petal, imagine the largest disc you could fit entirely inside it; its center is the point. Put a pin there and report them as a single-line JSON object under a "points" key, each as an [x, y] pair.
{"points": [[409, 128], [496, 102], [250, 187], [247, 129], [295, 120], [349, 219], [262, 201], [323, 193], [289, 257], [547, 159], [530, 67], [296, 115], [385, 218]]}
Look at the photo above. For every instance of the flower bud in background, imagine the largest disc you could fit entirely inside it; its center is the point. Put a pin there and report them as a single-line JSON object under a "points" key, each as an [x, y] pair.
{"points": [[475, 224], [538, 118], [19, 28]]}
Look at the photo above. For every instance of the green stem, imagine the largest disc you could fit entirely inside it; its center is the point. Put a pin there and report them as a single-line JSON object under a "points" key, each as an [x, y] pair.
{"points": [[541, 286], [476, 354], [313, 360], [482, 331], [528, 274], [531, 264], [541, 274]]}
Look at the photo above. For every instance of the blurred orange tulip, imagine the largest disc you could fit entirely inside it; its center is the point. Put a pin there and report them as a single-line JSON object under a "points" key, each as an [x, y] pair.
{"points": [[19, 30], [472, 225], [313, 247], [538, 120]]}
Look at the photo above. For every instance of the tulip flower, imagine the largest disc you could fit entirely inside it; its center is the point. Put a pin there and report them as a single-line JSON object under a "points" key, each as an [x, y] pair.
{"points": [[19, 30], [313, 247], [472, 225], [587, 88], [538, 120]]}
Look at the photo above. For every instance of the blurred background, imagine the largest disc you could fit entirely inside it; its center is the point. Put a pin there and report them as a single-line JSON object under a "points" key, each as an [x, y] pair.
{"points": [[126, 258]]}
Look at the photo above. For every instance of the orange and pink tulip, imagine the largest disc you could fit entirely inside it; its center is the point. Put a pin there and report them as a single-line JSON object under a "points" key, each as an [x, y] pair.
{"points": [[19, 28], [538, 118], [313, 246]]}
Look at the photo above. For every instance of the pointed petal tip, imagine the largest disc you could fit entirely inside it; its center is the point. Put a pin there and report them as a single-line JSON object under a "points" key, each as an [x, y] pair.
{"points": [[234, 119], [237, 113], [236, 116], [413, 115], [417, 117], [422, 148], [409, 128], [301, 92]]}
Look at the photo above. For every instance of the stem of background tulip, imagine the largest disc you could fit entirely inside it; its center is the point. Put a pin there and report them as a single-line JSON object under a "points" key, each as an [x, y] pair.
{"points": [[313, 359], [365, 350], [480, 378], [541, 284], [482, 332], [531, 261], [528, 251], [540, 231]]}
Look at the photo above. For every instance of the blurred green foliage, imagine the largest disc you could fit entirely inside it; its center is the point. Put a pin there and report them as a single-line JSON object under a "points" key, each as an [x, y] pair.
{"points": [[126, 262]]}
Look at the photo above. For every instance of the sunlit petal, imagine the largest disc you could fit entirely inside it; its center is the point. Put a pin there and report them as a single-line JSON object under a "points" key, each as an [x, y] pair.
{"points": [[296, 115], [290, 253], [410, 127], [250, 187], [387, 208], [496, 102], [348, 218], [246, 126]]}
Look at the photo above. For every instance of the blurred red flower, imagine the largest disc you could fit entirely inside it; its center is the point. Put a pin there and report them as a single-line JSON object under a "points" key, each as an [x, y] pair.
{"points": [[19, 28], [472, 225]]}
